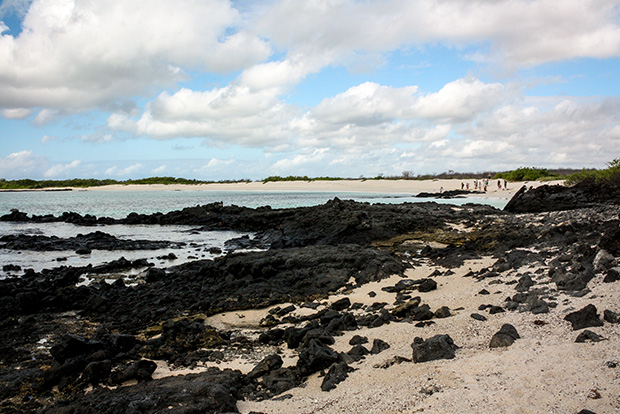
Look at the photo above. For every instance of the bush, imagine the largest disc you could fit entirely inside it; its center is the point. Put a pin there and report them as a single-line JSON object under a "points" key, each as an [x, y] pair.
{"points": [[612, 172], [527, 174]]}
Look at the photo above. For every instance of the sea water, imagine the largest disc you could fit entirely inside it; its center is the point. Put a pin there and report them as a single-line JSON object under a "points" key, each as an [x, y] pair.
{"points": [[118, 204]]}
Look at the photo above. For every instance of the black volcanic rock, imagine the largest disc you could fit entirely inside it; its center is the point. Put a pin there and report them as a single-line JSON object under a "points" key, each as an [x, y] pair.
{"points": [[584, 318], [436, 347]]}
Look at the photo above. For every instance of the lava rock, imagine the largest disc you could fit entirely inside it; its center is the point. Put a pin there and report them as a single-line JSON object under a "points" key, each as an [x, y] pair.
{"points": [[478, 317], [378, 346], [611, 316], [358, 340], [268, 364], [437, 347], [315, 357], [588, 336], [524, 284], [341, 304], [505, 337], [584, 318], [427, 285], [613, 275], [337, 373]]}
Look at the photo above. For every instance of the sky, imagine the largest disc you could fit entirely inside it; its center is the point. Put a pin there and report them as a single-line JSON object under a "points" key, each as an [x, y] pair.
{"points": [[230, 90]]}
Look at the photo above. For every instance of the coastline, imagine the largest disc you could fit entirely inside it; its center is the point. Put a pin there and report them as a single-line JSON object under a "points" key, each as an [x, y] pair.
{"points": [[361, 186]]}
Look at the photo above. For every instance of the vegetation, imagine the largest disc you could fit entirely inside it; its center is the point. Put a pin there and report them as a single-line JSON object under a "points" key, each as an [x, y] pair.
{"points": [[275, 178], [612, 172], [528, 174], [92, 182]]}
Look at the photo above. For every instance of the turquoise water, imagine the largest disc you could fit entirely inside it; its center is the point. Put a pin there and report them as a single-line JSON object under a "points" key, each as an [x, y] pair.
{"points": [[118, 204]]}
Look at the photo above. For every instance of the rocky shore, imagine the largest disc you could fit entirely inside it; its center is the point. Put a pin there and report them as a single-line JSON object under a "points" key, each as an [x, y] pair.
{"points": [[347, 307]]}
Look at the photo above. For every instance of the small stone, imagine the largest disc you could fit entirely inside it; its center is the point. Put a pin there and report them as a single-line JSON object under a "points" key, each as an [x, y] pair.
{"points": [[588, 336], [603, 260], [505, 337], [427, 285], [442, 312], [337, 373], [484, 292], [584, 318], [613, 275], [358, 340], [437, 347], [478, 317], [268, 364], [378, 346], [341, 304]]}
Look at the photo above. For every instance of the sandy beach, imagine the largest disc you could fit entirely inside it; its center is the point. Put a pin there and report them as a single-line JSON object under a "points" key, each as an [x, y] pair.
{"points": [[543, 372], [362, 186]]}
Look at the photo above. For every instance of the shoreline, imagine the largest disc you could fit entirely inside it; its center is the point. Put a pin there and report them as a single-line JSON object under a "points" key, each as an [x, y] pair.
{"points": [[354, 186]]}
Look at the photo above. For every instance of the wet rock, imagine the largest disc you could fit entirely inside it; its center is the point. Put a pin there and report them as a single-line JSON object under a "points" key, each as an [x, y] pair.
{"points": [[584, 318], [588, 336], [268, 364], [337, 373], [378, 346], [436, 347], [505, 337]]}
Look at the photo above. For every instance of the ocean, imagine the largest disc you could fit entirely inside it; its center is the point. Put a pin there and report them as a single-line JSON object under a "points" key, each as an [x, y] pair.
{"points": [[118, 204]]}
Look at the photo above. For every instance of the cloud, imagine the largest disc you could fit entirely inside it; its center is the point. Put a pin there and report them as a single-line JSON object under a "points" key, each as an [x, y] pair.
{"points": [[519, 32], [159, 169], [16, 113], [123, 172], [230, 115], [75, 54], [61, 169], [20, 164]]}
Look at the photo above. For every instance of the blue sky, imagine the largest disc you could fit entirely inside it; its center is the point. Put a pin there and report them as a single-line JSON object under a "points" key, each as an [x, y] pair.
{"points": [[218, 89]]}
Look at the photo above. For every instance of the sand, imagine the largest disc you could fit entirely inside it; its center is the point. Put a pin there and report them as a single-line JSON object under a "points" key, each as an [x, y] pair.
{"points": [[543, 372], [362, 186]]}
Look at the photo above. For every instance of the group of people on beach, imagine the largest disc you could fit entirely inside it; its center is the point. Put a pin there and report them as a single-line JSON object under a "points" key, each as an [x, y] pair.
{"points": [[483, 185]]}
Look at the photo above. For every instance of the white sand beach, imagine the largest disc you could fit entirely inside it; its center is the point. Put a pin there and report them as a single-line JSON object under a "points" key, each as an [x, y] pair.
{"points": [[543, 372], [363, 186]]}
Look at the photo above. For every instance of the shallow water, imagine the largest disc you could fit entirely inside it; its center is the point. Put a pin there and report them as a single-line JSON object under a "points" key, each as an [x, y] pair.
{"points": [[119, 204]]}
